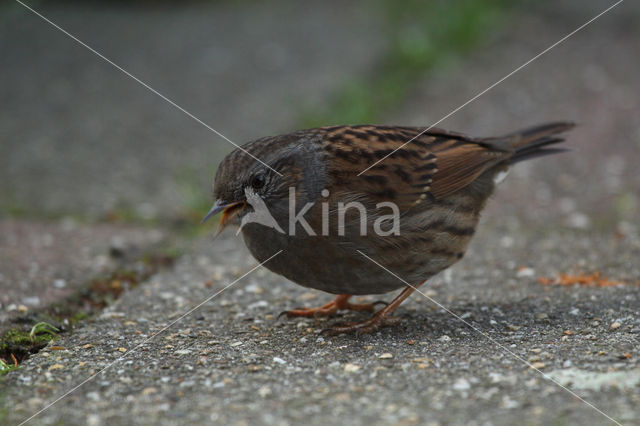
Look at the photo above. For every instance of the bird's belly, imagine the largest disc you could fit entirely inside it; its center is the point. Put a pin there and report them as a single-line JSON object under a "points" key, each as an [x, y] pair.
{"points": [[338, 276], [336, 266]]}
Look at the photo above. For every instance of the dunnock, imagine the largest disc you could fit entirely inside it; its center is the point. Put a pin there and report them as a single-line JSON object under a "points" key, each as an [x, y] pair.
{"points": [[414, 211]]}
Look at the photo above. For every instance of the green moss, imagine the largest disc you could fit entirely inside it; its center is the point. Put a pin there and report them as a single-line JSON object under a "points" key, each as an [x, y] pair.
{"points": [[43, 329], [17, 344], [77, 317], [16, 337], [5, 367]]}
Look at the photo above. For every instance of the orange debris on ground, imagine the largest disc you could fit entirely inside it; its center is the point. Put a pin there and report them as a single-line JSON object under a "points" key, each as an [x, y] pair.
{"points": [[593, 280]]}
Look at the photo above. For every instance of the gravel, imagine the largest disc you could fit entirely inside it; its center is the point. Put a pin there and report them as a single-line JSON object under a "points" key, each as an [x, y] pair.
{"points": [[232, 361], [42, 263]]}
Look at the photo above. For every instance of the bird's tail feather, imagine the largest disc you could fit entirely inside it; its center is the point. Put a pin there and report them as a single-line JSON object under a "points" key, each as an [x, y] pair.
{"points": [[536, 141]]}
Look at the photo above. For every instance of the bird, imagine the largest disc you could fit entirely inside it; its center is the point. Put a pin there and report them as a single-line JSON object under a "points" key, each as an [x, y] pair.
{"points": [[421, 191]]}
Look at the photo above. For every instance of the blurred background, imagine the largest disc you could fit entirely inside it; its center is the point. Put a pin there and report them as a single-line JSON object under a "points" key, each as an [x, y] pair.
{"points": [[81, 140], [103, 185]]}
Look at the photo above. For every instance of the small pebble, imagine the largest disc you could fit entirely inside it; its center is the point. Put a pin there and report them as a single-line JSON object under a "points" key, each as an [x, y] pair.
{"points": [[351, 368], [509, 403], [94, 396], [461, 384], [614, 325], [386, 355], [150, 390], [525, 272], [264, 391]]}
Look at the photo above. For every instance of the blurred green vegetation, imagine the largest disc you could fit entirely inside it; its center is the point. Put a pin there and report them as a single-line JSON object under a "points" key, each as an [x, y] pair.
{"points": [[421, 36]]}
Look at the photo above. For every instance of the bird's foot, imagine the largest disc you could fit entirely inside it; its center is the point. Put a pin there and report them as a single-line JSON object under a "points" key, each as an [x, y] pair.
{"points": [[377, 321], [341, 302]]}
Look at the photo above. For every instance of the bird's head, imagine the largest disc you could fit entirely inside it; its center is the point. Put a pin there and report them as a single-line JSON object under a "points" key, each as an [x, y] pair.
{"points": [[266, 167]]}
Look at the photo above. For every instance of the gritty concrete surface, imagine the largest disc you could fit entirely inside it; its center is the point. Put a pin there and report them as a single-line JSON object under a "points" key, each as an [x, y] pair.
{"points": [[43, 263], [232, 362]]}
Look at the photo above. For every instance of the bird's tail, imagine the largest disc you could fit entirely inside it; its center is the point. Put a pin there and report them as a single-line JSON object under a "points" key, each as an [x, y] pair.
{"points": [[536, 141]]}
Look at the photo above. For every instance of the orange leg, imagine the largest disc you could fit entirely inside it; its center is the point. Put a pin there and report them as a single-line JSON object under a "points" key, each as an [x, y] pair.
{"points": [[380, 319], [341, 302]]}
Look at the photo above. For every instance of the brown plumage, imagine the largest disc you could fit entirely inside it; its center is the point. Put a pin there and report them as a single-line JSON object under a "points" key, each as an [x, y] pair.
{"points": [[439, 183]]}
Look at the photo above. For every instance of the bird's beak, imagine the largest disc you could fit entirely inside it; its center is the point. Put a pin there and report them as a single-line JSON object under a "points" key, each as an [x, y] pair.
{"points": [[218, 206], [228, 211]]}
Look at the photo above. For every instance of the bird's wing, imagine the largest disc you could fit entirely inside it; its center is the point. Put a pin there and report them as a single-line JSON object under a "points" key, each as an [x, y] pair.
{"points": [[433, 165]]}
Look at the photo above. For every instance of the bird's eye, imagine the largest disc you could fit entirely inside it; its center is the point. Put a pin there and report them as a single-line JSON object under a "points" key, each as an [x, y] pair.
{"points": [[257, 181]]}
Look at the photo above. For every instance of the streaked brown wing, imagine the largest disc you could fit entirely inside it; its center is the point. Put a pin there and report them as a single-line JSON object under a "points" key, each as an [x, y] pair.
{"points": [[436, 164], [461, 164]]}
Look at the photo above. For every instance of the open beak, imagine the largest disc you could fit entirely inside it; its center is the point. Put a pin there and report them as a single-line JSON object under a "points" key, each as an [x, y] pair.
{"points": [[229, 210], [218, 206]]}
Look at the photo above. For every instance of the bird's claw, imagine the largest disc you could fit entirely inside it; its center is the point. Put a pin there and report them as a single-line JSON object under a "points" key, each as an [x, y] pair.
{"points": [[306, 312], [332, 308], [374, 323], [281, 314]]}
